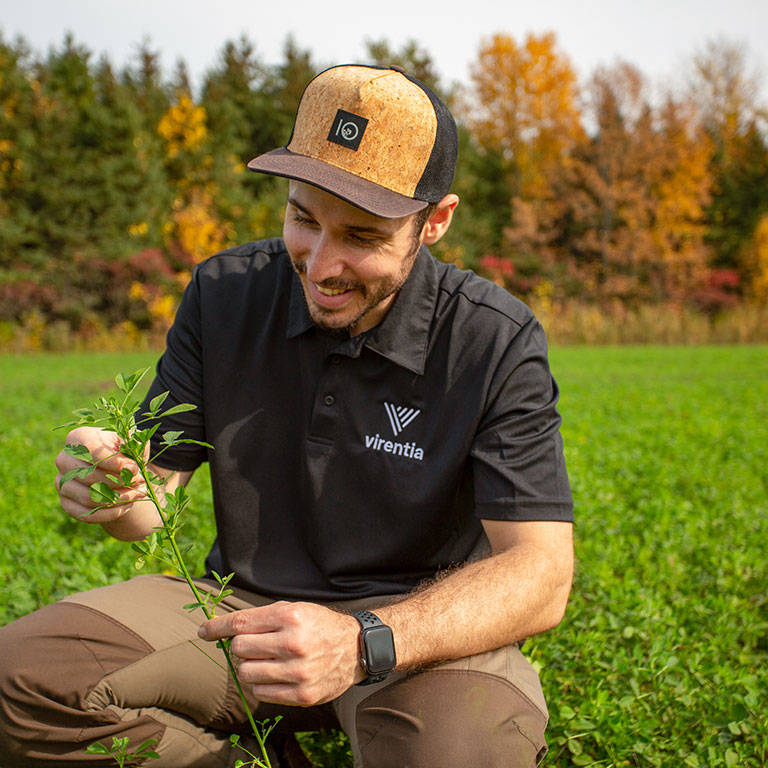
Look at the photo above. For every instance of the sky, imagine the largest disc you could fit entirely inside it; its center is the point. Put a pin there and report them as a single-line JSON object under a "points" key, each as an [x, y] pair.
{"points": [[658, 36]]}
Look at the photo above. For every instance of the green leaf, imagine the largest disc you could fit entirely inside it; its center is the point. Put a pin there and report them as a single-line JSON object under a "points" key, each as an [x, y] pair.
{"points": [[170, 438], [144, 435], [101, 492], [127, 384], [575, 747], [79, 452], [156, 402], [145, 745], [97, 749], [126, 476], [192, 606], [731, 758], [233, 739], [566, 713], [197, 442], [79, 473], [180, 408]]}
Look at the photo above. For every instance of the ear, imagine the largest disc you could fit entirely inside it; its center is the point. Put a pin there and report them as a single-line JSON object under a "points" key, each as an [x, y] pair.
{"points": [[437, 224]]}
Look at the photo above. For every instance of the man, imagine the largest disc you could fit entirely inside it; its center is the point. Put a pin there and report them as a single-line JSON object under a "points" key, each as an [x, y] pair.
{"points": [[387, 472]]}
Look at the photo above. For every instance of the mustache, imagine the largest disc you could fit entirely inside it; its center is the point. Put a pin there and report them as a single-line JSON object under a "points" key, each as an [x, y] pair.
{"points": [[332, 284]]}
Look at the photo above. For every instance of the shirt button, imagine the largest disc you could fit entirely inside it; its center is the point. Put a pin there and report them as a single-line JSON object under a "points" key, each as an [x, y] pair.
{"points": [[335, 359], [329, 399]]}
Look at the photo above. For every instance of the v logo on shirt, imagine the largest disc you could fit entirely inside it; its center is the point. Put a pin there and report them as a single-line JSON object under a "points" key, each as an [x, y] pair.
{"points": [[400, 416]]}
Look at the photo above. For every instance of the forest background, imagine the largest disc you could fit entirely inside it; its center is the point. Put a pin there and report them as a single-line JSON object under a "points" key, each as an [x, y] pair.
{"points": [[618, 212]]}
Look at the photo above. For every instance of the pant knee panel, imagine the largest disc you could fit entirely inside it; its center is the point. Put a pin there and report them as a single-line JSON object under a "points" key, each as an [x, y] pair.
{"points": [[451, 718], [49, 662]]}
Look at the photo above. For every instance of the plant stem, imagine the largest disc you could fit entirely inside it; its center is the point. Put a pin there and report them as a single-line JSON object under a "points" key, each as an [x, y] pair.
{"points": [[182, 566]]}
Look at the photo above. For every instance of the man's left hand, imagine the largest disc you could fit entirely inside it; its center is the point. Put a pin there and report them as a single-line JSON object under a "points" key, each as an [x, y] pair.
{"points": [[298, 654]]}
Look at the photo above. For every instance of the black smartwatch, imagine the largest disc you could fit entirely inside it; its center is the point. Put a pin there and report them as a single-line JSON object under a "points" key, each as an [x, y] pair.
{"points": [[377, 647]]}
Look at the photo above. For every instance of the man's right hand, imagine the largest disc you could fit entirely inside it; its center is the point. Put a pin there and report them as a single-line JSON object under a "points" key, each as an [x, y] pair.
{"points": [[74, 495]]}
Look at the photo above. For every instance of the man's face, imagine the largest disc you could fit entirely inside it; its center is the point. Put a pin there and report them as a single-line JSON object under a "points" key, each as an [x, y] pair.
{"points": [[350, 262]]}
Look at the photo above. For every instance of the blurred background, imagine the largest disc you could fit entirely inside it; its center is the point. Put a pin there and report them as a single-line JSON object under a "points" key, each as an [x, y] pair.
{"points": [[625, 199]]}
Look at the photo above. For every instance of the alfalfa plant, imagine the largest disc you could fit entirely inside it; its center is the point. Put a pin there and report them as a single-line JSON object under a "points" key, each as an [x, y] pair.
{"points": [[119, 414], [119, 750]]}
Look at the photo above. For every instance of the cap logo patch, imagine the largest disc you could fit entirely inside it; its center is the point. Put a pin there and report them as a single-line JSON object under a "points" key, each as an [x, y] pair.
{"points": [[347, 129]]}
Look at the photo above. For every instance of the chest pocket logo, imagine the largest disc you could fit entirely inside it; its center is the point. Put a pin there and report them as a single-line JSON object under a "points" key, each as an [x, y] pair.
{"points": [[400, 416]]}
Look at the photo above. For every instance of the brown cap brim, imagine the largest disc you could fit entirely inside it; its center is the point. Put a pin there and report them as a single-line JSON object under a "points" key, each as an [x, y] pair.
{"points": [[355, 190]]}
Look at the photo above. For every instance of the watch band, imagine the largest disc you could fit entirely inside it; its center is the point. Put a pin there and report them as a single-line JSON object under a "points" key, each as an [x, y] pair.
{"points": [[377, 647], [368, 619]]}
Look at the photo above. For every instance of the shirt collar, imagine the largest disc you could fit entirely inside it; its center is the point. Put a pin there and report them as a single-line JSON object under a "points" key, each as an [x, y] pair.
{"points": [[299, 320], [403, 335]]}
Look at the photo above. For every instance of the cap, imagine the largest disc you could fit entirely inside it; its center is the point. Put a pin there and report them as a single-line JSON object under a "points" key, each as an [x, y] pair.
{"points": [[373, 136]]}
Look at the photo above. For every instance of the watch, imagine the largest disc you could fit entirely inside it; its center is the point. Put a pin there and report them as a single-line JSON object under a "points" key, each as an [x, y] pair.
{"points": [[377, 647]]}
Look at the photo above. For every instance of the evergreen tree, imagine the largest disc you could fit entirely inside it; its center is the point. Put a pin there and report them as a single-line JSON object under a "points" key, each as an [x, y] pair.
{"points": [[416, 61], [736, 121]]}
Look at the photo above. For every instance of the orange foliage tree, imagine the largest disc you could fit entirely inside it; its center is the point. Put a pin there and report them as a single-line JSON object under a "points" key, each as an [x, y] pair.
{"points": [[624, 217]]}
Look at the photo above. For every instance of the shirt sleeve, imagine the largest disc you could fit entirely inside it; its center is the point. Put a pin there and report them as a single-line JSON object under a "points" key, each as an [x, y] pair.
{"points": [[517, 456], [180, 373]]}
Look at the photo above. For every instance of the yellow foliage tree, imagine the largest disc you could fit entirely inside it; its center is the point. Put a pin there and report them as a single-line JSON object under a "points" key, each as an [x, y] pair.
{"points": [[194, 229], [525, 102], [183, 126]]}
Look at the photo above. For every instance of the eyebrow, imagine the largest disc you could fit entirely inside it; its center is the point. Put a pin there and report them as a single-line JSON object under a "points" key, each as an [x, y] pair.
{"points": [[350, 227]]}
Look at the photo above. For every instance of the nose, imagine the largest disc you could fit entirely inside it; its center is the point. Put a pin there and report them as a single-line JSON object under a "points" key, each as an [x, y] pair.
{"points": [[323, 261]]}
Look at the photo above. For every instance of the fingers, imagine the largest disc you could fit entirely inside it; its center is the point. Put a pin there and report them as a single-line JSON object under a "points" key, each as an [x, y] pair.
{"points": [[75, 494], [104, 447], [75, 500], [267, 618], [291, 653]]}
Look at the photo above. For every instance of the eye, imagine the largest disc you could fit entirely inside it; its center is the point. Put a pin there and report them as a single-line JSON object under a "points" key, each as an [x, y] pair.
{"points": [[299, 218], [363, 242]]}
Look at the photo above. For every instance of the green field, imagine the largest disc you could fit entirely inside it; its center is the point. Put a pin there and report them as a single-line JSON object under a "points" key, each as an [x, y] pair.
{"points": [[661, 659]]}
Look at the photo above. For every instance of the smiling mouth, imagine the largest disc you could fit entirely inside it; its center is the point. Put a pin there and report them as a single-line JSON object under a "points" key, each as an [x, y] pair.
{"points": [[330, 291]]}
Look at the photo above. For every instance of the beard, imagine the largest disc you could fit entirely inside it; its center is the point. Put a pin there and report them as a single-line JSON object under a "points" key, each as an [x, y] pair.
{"points": [[372, 294]]}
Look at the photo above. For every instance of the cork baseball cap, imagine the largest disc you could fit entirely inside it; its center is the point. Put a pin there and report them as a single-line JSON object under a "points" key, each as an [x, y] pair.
{"points": [[373, 136]]}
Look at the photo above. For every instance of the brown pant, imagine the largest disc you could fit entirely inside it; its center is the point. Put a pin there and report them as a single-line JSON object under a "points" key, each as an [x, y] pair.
{"points": [[118, 661]]}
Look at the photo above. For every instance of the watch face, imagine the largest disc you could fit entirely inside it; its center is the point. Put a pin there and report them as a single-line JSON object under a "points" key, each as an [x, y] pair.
{"points": [[379, 650]]}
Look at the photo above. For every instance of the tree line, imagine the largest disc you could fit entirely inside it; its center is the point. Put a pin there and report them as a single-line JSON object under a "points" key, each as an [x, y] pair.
{"points": [[113, 184]]}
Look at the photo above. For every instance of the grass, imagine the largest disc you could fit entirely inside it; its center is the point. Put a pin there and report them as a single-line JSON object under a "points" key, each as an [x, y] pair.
{"points": [[661, 659]]}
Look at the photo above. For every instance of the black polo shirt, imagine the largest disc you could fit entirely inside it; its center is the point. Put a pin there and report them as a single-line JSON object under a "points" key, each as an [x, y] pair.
{"points": [[351, 467]]}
